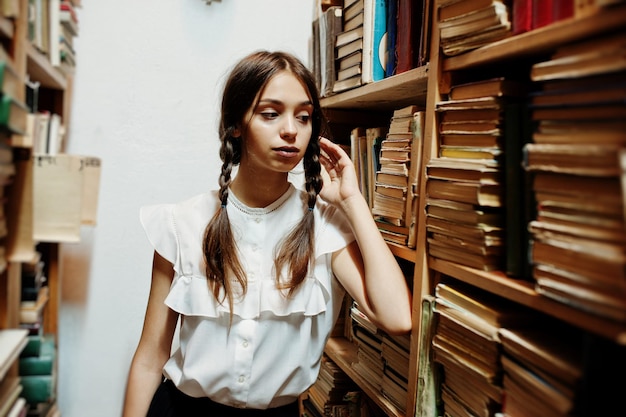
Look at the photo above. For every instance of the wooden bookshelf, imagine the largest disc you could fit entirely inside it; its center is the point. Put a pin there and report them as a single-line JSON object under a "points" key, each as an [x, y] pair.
{"points": [[344, 353], [387, 94], [54, 96], [522, 292], [427, 85]]}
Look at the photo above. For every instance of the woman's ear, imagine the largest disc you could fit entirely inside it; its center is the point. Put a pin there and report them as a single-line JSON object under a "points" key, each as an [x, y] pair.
{"points": [[236, 132]]}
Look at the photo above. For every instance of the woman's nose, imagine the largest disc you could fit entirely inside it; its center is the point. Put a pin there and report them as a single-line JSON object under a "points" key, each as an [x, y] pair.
{"points": [[289, 128]]}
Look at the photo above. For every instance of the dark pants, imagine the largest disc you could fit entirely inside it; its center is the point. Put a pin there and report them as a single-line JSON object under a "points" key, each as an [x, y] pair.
{"points": [[168, 401]]}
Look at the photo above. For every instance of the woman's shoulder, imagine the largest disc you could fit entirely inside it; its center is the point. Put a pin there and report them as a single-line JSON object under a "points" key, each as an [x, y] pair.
{"points": [[198, 206], [193, 202]]}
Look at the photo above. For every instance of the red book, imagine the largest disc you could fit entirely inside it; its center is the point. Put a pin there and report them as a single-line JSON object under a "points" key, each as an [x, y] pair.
{"points": [[562, 9], [408, 34], [522, 16], [542, 13]]}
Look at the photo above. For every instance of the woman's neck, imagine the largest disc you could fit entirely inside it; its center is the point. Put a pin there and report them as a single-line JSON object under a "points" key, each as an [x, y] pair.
{"points": [[259, 191]]}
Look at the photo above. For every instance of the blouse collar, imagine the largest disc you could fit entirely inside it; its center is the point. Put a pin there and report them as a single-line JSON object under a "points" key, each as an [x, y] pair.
{"points": [[260, 211]]}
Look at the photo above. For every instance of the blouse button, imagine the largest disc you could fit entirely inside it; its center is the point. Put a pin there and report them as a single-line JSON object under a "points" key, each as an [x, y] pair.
{"points": [[257, 219], [245, 344], [241, 379]]}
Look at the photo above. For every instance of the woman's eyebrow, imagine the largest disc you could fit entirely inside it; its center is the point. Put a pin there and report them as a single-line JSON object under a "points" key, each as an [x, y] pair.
{"points": [[276, 101]]}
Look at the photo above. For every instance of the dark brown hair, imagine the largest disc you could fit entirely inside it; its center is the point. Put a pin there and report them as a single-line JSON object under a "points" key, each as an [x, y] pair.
{"points": [[241, 93]]}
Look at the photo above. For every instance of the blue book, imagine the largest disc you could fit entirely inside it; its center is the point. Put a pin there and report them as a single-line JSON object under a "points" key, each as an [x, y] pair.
{"points": [[374, 40], [380, 40]]}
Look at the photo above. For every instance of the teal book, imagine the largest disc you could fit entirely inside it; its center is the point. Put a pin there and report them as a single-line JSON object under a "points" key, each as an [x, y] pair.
{"points": [[33, 346], [42, 364], [38, 388], [379, 34], [374, 40]]}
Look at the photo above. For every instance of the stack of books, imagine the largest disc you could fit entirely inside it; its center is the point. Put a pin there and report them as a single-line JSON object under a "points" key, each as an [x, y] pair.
{"points": [[578, 235], [542, 371], [38, 360], [369, 341], [468, 24], [68, 30], [467, 346], [395, 185], [327, 396], [395, 354], [479, 131], [349, 47]]}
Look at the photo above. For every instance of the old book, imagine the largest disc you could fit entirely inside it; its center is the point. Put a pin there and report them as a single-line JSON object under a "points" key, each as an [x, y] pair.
{"points": [[602, 261], [586, 58], [465, 115], [463, 7], [482, 262], [471, 127], [593, 160], [347, 84], [590, 298], [475, 193], [466, 171], [477, 231], [553, 351], [496, 311], [470, 153], [408, 29], [474, 140], [13, 115], [462, 212], [481, 20], [583, 112], [497, 87], [329, 26]]}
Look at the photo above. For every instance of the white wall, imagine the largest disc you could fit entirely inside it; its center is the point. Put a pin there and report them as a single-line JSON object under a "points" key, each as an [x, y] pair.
{"points": [[145, 100]]}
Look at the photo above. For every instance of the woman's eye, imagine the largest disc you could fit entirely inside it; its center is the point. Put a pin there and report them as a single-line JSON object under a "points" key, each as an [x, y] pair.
{"points": [[269, 114], [304, 117]]}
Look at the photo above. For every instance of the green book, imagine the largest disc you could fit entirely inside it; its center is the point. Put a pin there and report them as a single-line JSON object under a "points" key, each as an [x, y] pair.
{"points": [[42, 364], [13, 114], [38, 388], [33, 346]]}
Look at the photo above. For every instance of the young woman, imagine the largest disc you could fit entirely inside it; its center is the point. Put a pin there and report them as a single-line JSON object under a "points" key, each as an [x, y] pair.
{"points": [[256, 271]]}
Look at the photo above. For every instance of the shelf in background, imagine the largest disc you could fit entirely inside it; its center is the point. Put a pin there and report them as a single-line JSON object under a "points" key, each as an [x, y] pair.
{"points": [[542, 40], [40, 69], [387, 94], [403, 252], [12, 341], [7, 28], [523, 292], [344, 353]]}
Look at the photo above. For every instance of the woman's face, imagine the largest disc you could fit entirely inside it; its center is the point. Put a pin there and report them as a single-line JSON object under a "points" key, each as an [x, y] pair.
{"points": [[279, 127]]}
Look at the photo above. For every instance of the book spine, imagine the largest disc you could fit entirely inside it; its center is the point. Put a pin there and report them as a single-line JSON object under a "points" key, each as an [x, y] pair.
{"points": [[392, 25], [379, 35], [368, 41]]}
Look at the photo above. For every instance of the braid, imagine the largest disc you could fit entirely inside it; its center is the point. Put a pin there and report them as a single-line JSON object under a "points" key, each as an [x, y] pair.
{"points": [[312, 170], [219, 247]]}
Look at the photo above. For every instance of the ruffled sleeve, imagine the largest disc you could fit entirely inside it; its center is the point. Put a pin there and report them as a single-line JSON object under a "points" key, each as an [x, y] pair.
{"points": [[158, 223], [334, 230]]}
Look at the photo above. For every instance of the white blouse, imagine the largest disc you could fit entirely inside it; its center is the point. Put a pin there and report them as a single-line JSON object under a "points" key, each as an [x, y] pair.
{"points": [[272, 352]]}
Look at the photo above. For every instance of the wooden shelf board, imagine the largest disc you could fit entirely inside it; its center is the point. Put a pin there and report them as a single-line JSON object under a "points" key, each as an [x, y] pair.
{"points": [[40, 69], [343, 352], [523, 293], [12, 341], [399, 90], [403, 252], [542, 40], [7, 28]]}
